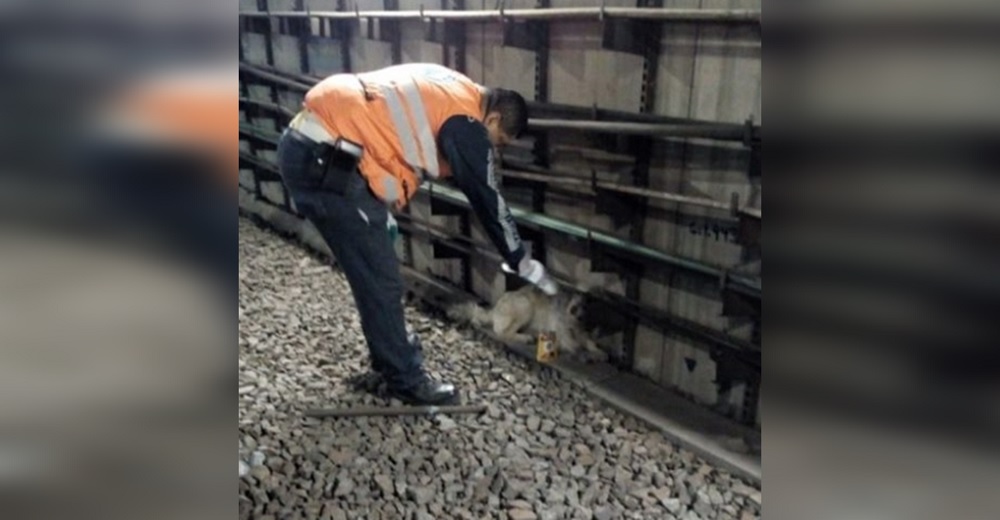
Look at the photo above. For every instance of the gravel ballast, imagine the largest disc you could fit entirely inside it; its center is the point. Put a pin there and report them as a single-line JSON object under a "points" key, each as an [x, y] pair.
{"points": [[544, 449]]}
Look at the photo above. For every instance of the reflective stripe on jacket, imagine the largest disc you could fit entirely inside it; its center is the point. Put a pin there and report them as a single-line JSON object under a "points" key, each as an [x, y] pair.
{"points": [[396, 114]]}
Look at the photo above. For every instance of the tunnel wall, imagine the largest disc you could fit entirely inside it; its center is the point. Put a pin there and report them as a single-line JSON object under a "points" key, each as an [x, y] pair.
{"points": [[697, 73]]}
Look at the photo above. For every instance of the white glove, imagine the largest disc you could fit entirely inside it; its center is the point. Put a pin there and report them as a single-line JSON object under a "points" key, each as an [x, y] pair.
{"points": [[534, 273]]}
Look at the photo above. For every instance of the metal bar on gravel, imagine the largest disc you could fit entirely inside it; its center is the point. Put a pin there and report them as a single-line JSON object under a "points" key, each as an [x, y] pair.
{"points": [[388, 411]]}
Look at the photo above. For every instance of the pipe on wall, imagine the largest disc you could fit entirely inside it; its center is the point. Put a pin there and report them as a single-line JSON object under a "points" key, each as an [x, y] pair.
{"points": [[557, 178], [642, 129], [692, 129], [732, 16], [711, 130]]}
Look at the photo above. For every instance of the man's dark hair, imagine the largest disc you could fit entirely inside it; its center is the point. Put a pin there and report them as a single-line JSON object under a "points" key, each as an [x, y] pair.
{"points": [[513, 111]]}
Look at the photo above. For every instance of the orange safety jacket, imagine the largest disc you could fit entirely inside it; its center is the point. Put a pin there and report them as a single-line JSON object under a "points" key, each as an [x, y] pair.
{"points": [[396, 113]]}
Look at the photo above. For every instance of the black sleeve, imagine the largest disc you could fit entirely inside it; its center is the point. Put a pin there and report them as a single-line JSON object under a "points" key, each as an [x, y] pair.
{"points": [[466, 147]]}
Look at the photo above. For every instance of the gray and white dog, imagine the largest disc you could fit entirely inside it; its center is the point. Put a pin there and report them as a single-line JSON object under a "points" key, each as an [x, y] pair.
{"points": [[518, 316]]}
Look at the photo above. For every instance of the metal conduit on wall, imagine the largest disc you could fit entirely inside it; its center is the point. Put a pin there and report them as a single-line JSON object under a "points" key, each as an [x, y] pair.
{"points": [[599, 120], [729, 16]]}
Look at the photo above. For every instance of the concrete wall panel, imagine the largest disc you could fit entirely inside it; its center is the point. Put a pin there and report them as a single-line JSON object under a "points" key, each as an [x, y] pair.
{"points": [[254, 48], [494, 65], [414, 48], [325, 56], [370, 54]]}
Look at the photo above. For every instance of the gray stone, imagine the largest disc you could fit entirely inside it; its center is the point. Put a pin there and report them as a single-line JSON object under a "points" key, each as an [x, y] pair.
{"points": [[384, 484], [441, 459], [345, 485], [544, 447], [552, 513], [603, 513], [261, 473], [332, 512], [521, 514], [446, 423], [257, 459], [420, 495], [703, 509], [555, 496], [672, 504]]}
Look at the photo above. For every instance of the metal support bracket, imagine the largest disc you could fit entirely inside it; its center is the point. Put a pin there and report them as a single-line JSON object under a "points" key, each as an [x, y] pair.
{"points": [[748, 234], [737, 305], [602, 260], [605, 316], [739, 367], [620, 207], [391, 31], [754, 170], [525, 35], [630, 36], [445, 251], [444, 208], [751, 139]]}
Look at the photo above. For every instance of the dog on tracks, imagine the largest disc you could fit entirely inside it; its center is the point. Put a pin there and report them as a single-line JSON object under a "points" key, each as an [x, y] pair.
{"points": [[518, 316]]}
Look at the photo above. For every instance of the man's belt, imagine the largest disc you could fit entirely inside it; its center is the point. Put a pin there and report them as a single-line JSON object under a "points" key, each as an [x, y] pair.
{"points": [[309, 125]]}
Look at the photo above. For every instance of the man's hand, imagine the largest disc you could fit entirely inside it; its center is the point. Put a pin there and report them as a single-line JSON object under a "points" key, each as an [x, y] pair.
{"points": [[534, 273]]}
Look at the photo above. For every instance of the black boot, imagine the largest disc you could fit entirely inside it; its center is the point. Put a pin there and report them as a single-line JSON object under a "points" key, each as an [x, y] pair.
{"points": [[426, 393], [414, 340], [369, 382]]}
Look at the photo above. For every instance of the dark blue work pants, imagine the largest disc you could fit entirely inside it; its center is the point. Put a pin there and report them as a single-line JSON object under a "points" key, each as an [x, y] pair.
{"points": [[353, 224]]}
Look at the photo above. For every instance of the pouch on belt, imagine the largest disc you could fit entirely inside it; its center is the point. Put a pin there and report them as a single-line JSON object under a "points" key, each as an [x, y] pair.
{"points": [[334, 159]]}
